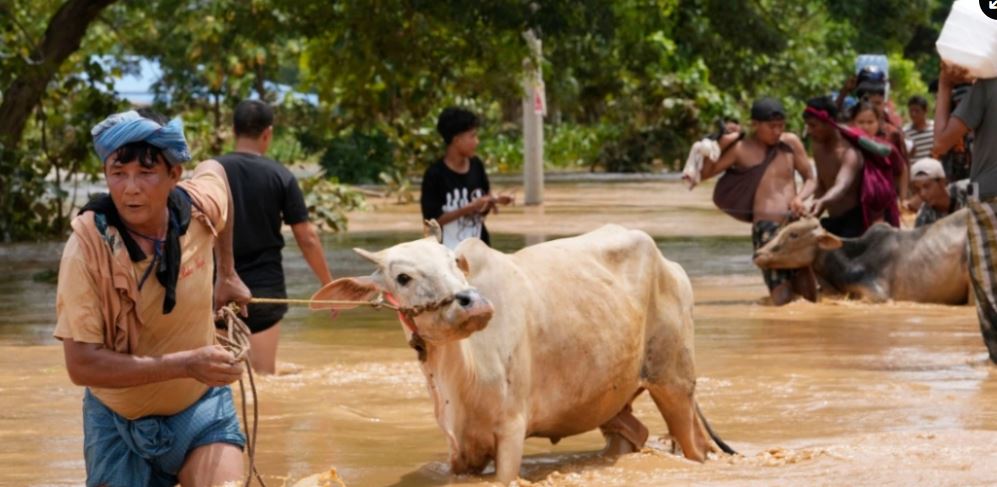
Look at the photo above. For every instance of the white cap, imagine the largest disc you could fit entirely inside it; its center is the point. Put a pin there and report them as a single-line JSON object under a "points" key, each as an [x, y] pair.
{"points": [[927, 168]]}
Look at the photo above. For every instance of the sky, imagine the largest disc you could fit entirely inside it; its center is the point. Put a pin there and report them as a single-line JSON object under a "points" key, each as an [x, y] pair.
{"points": [[137, 88]]}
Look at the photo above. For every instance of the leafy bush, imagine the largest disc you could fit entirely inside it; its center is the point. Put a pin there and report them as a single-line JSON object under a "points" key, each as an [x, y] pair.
{"points": [[905, 82], [657, 117], [567, 147], [287, 149], [328, 202], [502, 151], [358, 157], [570, 146], [399, 185]]}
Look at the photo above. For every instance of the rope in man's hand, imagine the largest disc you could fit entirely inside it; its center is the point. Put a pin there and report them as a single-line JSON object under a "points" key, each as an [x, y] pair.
{"points": [[236, 341]]}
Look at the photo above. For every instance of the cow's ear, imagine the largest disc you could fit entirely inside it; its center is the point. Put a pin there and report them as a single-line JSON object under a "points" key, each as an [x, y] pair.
{"points": [[826, 241], [431, 228], [463, 265], [346, 293], [376, 258]]}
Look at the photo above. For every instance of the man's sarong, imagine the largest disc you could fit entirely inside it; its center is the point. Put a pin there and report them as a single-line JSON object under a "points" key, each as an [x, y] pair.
{"points": [[762, 231], [982, 253], [150, 451]]}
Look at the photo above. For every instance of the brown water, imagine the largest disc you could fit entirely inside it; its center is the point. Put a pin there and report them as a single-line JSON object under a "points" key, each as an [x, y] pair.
{"points": [[826, 394]]}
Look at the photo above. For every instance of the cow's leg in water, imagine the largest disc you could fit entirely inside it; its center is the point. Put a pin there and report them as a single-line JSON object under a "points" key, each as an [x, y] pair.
{"points": [[669, 375], [510, 440], [624, 433], [805, 284], [782, 294], [679, 410]]}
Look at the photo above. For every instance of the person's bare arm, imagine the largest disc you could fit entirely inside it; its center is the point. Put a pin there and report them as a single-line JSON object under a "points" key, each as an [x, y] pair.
{"points": [[845, 90], [728, 146], [92, 365], [228, 287], [903, 181], [949, 130], [901, 143], [851, 165], [802, 165], [311, 249]]}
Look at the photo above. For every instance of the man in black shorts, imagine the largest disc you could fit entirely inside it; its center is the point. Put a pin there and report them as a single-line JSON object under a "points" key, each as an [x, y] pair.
{"points": [[265, 194]]}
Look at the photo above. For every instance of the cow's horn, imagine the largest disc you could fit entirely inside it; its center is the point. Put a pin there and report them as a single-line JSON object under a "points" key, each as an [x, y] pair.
{"points": [[431, 228]]}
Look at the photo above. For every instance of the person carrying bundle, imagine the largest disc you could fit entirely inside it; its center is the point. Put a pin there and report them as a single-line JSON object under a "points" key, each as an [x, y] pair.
{"points": [[759, 186]]}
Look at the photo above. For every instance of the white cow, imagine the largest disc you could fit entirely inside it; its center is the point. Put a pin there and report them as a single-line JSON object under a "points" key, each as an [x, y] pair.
{"points": [[552, 341]]}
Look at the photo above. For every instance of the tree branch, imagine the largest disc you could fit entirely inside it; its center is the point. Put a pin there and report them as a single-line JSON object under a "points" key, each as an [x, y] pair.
{"points": [[62, 38]]}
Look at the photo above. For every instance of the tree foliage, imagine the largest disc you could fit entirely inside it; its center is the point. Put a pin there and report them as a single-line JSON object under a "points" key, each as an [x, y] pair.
{"points": [[358, 83]]}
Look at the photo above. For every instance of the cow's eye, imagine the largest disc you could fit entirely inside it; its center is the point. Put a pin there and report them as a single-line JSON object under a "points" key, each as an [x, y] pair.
{"points": [[403, 279], [793, 235]]}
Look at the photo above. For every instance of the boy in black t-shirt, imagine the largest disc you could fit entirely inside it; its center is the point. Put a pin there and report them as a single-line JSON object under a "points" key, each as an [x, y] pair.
{"points": [[455, 189]]}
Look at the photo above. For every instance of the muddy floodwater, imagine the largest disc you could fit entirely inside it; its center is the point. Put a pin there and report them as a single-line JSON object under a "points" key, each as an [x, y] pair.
{"points": [[836, 393]]}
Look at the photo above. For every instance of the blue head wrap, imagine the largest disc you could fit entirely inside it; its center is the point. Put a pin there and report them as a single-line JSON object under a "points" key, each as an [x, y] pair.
{"points": [[123, 128]]}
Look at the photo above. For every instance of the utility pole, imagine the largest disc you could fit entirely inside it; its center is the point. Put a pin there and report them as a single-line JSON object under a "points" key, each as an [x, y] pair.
{"points": [[534, 109]]}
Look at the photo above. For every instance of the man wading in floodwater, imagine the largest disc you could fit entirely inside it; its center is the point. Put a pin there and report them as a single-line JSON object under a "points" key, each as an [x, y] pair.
{"points": [[759, 186], [135, 313], [977, 112]]}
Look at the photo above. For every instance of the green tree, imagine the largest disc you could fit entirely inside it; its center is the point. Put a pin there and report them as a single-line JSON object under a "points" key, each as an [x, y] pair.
{"points": [[52, 91], [629, 83]]}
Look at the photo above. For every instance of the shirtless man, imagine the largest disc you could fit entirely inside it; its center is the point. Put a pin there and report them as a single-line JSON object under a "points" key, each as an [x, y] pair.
{"points": [[839, 174], [777, 156]]}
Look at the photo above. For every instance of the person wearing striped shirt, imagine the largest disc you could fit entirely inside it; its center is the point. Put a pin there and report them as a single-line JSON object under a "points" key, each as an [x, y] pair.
{"points": [[920, 131]]}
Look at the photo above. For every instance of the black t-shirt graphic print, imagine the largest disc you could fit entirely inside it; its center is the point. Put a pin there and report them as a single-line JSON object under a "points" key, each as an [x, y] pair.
{"points": [[444, 190]]}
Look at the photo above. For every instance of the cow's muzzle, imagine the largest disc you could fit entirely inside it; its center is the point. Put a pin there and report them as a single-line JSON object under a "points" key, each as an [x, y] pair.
{"points": [[472, 310], [765, 256]]}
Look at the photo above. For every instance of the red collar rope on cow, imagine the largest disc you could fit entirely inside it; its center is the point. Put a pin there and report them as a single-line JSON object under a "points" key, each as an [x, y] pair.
{"points": [[377, 302], [382, 300]]}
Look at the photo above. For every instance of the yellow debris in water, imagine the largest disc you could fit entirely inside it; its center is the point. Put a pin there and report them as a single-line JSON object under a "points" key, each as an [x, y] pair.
{"points": [[325, 479]]}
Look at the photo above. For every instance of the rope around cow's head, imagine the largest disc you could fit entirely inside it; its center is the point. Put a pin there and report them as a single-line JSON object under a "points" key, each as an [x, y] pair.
{"points": [[238, 340], [235, 339], [381, 300]]}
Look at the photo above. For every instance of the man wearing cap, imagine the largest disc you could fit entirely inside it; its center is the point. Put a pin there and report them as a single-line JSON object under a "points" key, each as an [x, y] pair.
{"points": [[977, 112], [134, 312], [759, 186], [870, 86], [939, 197]]}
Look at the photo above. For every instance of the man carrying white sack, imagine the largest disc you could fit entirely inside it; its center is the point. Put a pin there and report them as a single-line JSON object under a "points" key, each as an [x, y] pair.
{"points": [[976, 112]]}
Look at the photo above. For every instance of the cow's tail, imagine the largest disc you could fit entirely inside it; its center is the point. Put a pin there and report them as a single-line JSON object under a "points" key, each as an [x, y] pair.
{"points": [[716, 438]]}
